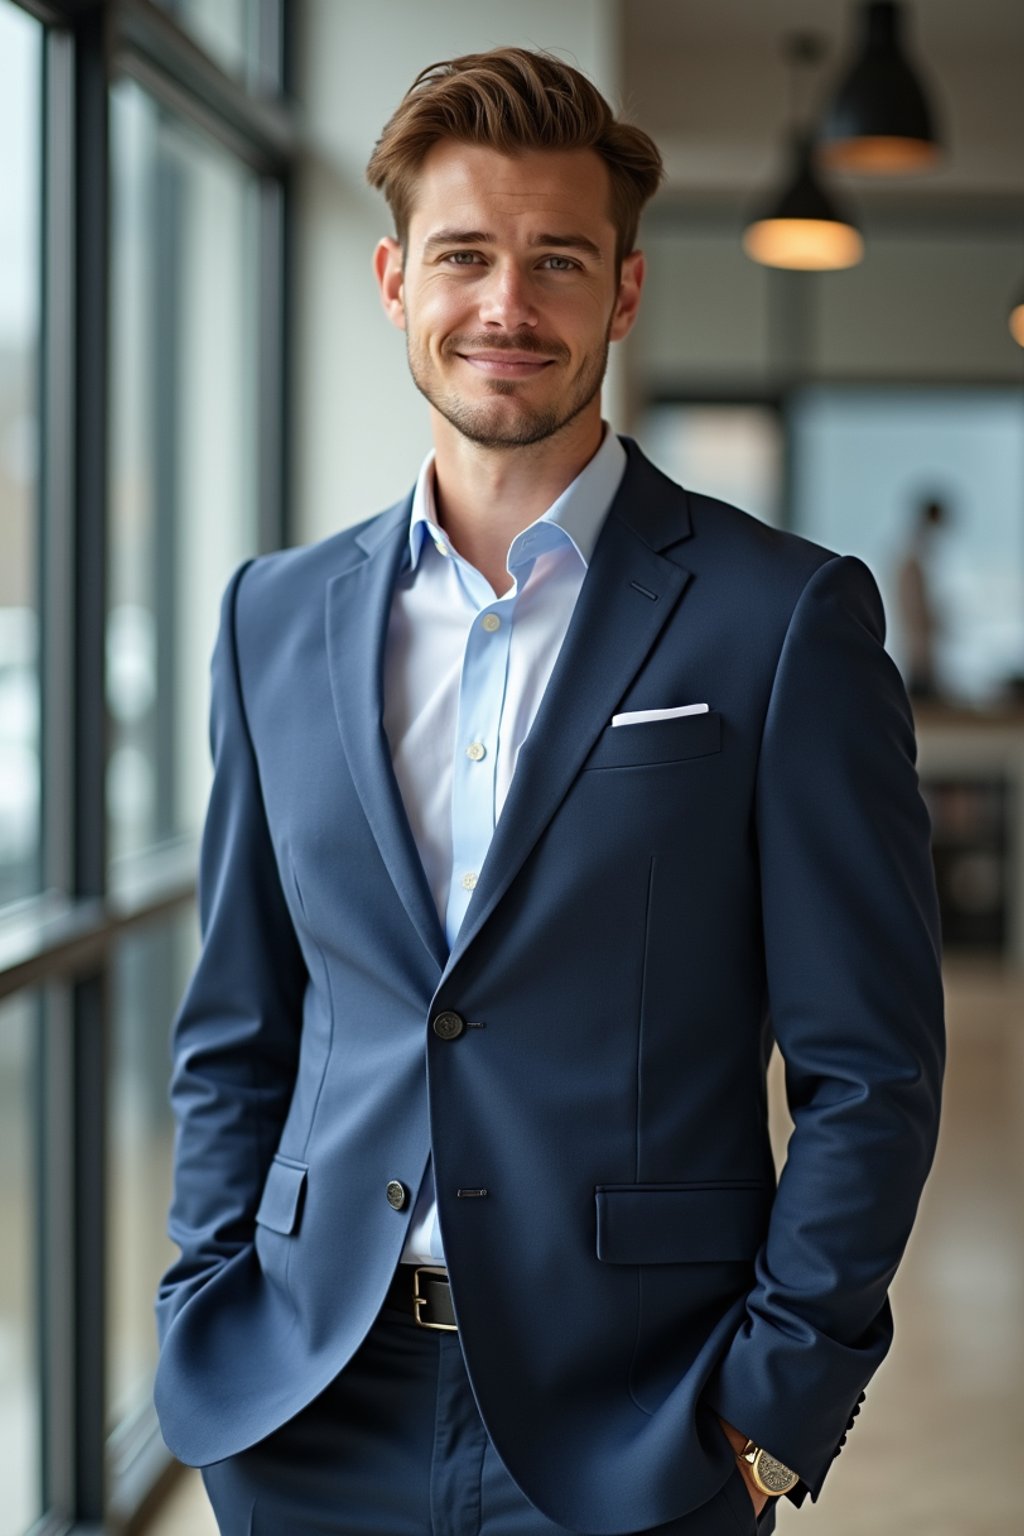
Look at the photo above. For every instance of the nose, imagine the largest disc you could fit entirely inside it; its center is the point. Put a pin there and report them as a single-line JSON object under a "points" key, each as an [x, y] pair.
{"points": [[506, 298]]}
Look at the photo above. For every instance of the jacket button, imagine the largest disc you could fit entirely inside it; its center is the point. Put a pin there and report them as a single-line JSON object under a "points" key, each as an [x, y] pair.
{"points": [[397, 1194], [448, 1025]]}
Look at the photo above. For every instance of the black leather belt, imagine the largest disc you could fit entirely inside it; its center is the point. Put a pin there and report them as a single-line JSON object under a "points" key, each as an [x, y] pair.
{"points": [[423, 1291]]}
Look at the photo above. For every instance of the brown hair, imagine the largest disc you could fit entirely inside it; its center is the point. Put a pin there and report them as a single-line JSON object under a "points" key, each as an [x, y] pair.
{"points": [[512, 99]]}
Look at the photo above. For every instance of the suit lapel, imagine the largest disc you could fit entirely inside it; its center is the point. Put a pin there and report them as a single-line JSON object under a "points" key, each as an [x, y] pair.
{"points": [[625, 600], [358, 609]]}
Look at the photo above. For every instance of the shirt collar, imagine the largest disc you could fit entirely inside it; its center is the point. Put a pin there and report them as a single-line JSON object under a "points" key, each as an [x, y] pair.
{"points": [[575, 517]]}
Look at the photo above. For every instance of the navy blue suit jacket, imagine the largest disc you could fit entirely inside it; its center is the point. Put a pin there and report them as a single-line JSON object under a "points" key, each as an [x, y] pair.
{"points": [[659, 903]]}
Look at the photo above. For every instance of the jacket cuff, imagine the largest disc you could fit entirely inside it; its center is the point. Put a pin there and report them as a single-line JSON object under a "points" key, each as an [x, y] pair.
{"points": [[798, 1403]]}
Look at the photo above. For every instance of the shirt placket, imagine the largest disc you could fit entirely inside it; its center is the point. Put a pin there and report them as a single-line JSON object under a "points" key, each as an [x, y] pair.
{"points": [[482, 688]]}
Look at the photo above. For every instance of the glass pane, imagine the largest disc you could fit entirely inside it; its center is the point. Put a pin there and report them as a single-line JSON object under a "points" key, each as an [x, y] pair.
{"points": [[19, 364], [151, 970], [183, 453], [229, 30], [868, 465], [20, 1410], [734, 452]]}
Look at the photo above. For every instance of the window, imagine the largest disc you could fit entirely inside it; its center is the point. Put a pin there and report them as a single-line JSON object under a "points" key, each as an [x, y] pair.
{"points": [[734, 452], [151, 968], [20, 776], [243, 36], [20, 1388], [143, 441], [865, 461], [184, 505]]}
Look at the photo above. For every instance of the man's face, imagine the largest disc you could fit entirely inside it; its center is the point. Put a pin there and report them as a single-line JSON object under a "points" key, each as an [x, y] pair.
{"points": [[508, 292]]}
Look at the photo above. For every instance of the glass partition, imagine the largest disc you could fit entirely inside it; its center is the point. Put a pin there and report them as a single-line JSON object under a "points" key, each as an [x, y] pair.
{"points": [[20, 184], [183, 453], [866, 465], [151, 968]]}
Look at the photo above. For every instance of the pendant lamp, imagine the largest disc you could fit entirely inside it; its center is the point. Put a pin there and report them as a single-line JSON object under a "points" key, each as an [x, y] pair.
{"points": [[802, 227], [880, 122], [1016, 320]]}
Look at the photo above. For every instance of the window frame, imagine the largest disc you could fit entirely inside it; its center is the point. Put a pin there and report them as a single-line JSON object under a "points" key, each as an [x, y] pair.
{"points": [[62, 941]]}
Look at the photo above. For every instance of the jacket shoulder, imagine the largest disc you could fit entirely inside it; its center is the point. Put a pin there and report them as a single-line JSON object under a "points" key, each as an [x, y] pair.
{"points": [[301, 572], [700, 531], [753, 543]]}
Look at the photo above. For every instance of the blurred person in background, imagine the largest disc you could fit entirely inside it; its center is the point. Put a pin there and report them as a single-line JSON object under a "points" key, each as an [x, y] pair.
{"points": [[919, 616], [545, 802]]}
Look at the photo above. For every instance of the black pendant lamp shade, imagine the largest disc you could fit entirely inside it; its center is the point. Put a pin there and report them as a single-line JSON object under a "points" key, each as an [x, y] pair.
{"points": [[880, 122], [803, 228]]}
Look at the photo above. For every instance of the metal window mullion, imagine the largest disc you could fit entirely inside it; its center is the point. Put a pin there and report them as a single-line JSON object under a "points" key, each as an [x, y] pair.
{"points": [[55, 1160], [90, 1050], [167, 212], [56, 459], [89, 750], [149, 44], [267, 76], [91, 321], [271, 366]]}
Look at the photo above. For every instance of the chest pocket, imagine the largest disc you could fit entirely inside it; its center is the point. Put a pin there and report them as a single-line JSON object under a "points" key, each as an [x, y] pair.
{"points": [[656, 741]]}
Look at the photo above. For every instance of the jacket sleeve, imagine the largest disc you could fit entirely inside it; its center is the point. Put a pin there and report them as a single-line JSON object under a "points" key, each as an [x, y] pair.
{"points": [[852, 953], [236, 1032]]}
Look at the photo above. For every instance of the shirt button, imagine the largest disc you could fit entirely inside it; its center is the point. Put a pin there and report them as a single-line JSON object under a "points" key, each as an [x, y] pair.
{"points": [[476, 750], [491, 622], [442, 549], [449, 1025], [397, 1194], [469, 881]]}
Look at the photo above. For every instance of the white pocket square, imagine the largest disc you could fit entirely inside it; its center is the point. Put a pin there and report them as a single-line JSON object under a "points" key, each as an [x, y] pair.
{"points": [[637, 716]]}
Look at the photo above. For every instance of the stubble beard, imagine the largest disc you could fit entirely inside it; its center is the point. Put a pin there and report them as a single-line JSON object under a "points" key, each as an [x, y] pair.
{"points": [[489, 427]]}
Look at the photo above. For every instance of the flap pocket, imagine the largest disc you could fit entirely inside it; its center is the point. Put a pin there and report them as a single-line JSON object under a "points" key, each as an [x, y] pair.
{"points": [[681, 1223], [657, 741], [281, 1204]]}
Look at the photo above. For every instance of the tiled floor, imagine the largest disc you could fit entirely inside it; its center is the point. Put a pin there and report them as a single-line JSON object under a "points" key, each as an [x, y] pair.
{"points": [[937, 1449]]}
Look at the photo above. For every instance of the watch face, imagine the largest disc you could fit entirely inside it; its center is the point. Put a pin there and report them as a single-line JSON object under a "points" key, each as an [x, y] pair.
{"points": [[772, 1476]]}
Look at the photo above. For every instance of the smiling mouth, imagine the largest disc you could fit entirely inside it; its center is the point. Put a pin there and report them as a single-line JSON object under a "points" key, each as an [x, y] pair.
{"points": [[503, 365]]}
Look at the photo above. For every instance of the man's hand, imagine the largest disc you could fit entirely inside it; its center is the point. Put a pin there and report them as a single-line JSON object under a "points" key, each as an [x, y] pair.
{"points": [[738, 1441]]}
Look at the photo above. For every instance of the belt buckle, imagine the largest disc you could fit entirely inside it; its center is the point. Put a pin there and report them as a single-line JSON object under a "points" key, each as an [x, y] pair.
{"points": [[419, 1301]]}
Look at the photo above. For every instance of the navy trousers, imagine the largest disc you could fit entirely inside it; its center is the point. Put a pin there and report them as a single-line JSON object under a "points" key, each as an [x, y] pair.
{"points": [[396, 1447]]}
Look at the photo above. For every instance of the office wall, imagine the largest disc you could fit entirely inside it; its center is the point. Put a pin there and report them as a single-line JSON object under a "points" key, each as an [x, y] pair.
{"points": [[361, 427], [928, 304]]}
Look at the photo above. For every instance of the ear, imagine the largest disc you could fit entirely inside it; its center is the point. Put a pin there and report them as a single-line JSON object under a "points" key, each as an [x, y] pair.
{"points": [[387, 267], [627, 300]]}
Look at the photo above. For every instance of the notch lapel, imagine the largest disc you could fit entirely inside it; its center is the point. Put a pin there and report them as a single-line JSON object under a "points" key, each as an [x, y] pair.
{"points": [[627, 595], [358, 607]]}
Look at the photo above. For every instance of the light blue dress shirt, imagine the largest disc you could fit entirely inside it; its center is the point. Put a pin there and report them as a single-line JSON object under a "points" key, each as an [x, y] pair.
{"points": [[464, 674]]}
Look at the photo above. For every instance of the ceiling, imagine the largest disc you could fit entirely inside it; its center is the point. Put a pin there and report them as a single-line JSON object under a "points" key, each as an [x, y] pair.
{"points": [[709, 79], [978, 25]]}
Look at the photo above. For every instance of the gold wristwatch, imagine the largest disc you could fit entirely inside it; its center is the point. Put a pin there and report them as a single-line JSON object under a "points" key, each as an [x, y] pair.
{"points": [[770, 1475]]}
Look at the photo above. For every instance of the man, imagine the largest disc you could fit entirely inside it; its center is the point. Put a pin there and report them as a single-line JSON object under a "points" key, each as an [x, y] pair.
{"points": [[921, 618], [544, 802]]}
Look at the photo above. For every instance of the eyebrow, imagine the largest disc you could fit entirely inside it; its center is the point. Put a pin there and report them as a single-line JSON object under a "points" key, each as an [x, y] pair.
{"points": [[481, 237]]}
